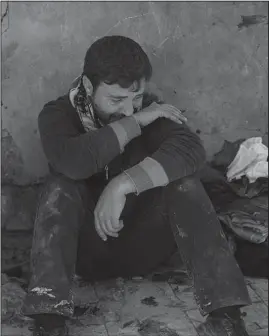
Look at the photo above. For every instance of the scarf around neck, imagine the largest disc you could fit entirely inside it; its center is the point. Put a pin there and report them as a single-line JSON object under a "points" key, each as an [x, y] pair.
{"points": [[83, 105]]}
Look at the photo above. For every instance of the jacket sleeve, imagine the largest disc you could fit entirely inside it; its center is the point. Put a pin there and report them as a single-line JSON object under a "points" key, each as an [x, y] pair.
{"points": [[80, 155], [175, 152]]}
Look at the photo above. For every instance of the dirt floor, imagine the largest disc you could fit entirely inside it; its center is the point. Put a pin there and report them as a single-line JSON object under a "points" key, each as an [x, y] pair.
{"points": [[140, 307]]}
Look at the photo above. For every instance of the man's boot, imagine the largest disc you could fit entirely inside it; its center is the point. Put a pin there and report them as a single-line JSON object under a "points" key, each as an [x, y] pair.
{"points": [[221, 323]]}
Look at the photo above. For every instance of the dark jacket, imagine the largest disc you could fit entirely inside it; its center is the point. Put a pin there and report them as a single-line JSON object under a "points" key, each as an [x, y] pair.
{"points": [[80, 155]]}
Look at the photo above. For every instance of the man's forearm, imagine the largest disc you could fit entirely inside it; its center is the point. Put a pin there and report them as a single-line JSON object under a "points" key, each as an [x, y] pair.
{"points": [[126, 129], [146, 175], [179, 153]]}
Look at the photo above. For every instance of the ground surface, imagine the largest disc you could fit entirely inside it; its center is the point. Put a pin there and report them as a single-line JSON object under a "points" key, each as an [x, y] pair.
{"points": [[140, 307]]}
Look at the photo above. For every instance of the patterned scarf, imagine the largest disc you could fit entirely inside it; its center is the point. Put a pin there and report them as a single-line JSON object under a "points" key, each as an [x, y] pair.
{"points": [[83, 105]]}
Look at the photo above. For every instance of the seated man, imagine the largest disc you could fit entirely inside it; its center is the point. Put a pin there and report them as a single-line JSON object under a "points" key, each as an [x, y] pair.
{"points": [[123, 193]]}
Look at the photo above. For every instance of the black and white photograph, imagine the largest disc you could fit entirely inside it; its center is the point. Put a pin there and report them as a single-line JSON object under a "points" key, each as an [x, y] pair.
{"points": [[134, 168]]}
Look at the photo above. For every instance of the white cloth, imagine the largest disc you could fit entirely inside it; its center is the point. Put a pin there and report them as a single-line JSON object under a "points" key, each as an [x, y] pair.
{"points": [[250, 161]]}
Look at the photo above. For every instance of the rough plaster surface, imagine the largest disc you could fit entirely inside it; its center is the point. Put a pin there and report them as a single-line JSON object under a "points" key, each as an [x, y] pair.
{"points": [[207, 60]]}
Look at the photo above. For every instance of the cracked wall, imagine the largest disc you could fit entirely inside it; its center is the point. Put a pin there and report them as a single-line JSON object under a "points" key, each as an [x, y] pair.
{"points": [[209, 58]]}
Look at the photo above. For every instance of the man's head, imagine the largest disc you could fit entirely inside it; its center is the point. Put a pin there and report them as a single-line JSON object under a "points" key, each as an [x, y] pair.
{"points": [[116, 70]]}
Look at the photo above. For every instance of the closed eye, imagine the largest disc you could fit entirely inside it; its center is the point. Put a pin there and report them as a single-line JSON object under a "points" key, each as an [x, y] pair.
{"points": [[138, 97], [116, 100]]}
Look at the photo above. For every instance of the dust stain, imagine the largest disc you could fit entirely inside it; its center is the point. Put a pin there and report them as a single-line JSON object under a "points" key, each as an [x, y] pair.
{"points": [[9, 51], [129, 323], [181, 233], [62, 303], [150, 301], [49, 208], [249, 20], [94, 310], [177, 304], [53, 197], [43, 291], [150, 327]]}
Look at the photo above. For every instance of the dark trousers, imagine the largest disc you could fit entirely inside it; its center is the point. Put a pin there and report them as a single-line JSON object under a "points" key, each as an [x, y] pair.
{"points": [[156, 222]]}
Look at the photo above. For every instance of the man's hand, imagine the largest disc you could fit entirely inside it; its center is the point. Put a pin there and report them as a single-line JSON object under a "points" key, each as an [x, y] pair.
{"points": [[149, 114], [110, 206]]}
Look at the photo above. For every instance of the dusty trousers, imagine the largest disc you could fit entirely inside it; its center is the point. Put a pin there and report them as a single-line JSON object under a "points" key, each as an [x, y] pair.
{"points": [[156, 222]]}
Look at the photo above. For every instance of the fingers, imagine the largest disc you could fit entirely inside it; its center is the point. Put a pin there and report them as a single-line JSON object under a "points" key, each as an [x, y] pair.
{"points": [[109, 229], [117, 224], [106, 227], [174, 114], [179, 118], [172, 117], [99, 229]]}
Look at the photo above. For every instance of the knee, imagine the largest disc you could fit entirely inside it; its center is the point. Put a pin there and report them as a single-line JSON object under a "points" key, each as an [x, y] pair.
{"points": [[57, 188]]}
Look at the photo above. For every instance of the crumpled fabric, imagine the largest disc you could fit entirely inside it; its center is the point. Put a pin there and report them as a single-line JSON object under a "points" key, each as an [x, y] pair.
{"points": [[247, 219], [241, 204], [250, 161], [244, 188]]}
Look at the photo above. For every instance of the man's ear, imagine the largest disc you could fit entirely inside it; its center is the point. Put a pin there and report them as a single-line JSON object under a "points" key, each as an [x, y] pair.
{"points": [[87, 85]]}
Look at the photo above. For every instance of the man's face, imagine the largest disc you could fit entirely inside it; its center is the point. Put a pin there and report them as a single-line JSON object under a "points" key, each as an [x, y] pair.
{"points": [[112, 102]]}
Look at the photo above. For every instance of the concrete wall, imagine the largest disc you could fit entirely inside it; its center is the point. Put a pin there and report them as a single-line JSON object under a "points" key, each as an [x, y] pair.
{"points": [[207, 60]]}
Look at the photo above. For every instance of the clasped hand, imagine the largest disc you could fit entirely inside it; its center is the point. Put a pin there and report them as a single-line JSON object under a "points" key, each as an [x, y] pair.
{"points": [[110, 205]]}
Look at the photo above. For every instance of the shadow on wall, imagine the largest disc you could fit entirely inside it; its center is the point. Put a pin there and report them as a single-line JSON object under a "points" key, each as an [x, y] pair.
{"points": [[209, 59]]}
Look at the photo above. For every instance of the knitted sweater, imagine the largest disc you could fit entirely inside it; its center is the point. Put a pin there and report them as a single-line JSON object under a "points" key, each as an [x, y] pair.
{"points": [[176, 152]]}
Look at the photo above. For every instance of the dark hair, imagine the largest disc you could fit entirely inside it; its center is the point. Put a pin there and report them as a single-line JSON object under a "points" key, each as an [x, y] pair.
{"points": [[116, 60]]}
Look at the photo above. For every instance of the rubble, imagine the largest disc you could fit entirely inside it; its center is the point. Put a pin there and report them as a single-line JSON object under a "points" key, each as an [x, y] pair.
{"points": [[18, 209], [11, 299]]}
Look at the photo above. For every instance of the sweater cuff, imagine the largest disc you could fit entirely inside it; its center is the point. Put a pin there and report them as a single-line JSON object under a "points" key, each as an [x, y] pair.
{"points": [[147, 174], [125, 129]]}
